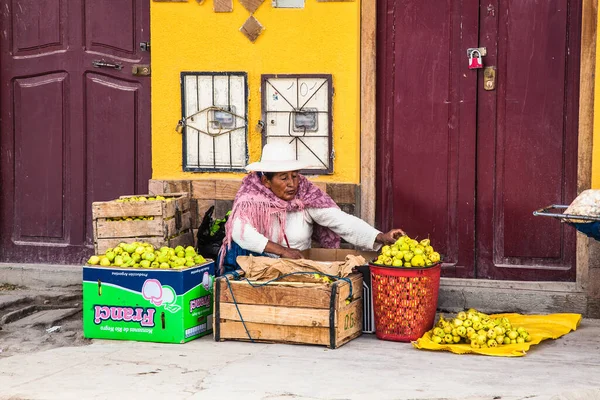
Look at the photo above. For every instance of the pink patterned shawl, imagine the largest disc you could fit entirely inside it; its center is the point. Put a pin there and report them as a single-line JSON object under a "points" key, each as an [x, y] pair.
{"points": [[255, 204]]}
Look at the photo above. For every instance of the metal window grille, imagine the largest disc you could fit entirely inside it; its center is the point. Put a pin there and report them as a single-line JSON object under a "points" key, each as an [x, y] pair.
{"points": [[214, 117], [297, 109]]}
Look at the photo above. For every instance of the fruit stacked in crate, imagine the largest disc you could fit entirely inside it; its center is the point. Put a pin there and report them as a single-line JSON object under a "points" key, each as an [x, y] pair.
{"points": [[144, 255], [160, 220], [135, 291]]}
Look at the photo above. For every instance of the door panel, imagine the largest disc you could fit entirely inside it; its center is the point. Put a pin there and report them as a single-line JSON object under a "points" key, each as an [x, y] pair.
{"points": [[112, 164], [72, 133], [527, 139], [468, 166], [36, 25], [100, 32], [39, 171], [426, 116]]}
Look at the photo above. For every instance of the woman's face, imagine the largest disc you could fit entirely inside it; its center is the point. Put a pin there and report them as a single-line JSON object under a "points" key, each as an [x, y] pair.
{"points": [[283, 184]]}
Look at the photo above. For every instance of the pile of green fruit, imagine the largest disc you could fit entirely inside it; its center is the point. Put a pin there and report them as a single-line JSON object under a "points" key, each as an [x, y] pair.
{"points": [[144, 255], [407, 252], [479, 330]]}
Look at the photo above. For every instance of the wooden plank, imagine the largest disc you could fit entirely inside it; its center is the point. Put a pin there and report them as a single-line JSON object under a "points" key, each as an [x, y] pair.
{"points": [[586, 96], [344, 290], [348, 321], [342, 193], [204, 189], [185, 239], [169, 209], [112, 209], [223, 5], [203, 206], [274, 333], [171, 225], [262, 314], [345, 340], [368, 125], [318, 296], [156, 187], [126, 229], [183, 203], [226, 189]]}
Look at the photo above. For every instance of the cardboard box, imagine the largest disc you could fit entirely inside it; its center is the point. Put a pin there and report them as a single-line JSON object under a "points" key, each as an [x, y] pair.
{"points": [[301, 313], [149, 305]]}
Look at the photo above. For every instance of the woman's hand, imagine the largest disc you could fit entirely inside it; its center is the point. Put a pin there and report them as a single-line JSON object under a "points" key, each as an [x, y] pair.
{"points": [[283, 252], [291, 253], [390, 237]]}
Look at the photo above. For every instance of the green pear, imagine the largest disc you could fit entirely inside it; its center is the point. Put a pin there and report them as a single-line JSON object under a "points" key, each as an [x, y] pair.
{"points": [[94, 260]]}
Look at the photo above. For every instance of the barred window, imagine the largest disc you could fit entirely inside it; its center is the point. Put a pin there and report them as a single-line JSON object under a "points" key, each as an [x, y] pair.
{"points": [[297, 110], [214, 119]]}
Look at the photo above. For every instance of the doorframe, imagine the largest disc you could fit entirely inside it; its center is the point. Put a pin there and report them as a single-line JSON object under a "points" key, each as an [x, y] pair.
{"points": [[368, 79], [368, 112]]}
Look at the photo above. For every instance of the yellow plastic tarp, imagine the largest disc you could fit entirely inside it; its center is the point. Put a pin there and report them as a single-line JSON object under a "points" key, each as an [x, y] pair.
{"points": [[540, 327]]}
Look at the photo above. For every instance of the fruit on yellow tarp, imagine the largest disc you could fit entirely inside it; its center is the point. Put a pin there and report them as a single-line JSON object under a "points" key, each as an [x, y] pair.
{"points": [[491, 332]]}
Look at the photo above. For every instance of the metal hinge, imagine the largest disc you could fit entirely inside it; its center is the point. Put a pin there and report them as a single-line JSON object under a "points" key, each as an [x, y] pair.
{"points": [[145, 46]]}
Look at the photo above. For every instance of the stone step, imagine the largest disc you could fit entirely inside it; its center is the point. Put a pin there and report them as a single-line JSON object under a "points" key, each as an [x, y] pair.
{"points": [[45, 317]]}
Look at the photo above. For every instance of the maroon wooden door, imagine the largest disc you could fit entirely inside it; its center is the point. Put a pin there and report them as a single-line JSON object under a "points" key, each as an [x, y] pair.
{"points": [[71, 132], [467, 166]]}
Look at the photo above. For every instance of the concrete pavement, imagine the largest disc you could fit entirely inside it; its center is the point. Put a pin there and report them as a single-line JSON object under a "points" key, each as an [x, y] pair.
{"points": [[366, 368]]}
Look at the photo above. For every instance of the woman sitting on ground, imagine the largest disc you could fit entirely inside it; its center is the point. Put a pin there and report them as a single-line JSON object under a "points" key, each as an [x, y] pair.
{"points": [[277, 212]]}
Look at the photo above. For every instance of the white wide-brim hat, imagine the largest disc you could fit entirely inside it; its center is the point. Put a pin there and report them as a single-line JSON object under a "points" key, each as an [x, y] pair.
{"points": [[277, 157]]}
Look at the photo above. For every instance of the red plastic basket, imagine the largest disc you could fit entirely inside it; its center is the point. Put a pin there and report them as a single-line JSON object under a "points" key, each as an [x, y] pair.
{"points": [[404, 301]]}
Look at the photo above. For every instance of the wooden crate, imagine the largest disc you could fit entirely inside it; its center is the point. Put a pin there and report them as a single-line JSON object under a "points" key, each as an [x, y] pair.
{"points": [[171, 226], [302, 313]]}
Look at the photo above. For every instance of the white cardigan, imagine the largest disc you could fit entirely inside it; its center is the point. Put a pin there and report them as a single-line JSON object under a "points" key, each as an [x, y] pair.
{"points": [[299, 229]]}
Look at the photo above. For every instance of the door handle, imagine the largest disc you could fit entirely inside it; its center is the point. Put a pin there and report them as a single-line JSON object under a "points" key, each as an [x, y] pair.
{"points": [[104, 64]]}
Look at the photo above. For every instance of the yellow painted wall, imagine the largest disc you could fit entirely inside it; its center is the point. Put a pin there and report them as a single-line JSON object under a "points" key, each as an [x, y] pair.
{"points": [[321, 38]]}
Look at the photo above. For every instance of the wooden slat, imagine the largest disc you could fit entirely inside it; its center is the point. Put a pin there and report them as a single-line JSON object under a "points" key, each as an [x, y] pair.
{"points": [[126, 229], [203, 189], [112, 209], [274, 333], [344, 290], [183, 203], [348, 321], [171, 225], [275, 315], [342, 193], [317, 296], [226, 189], [169, 209]]}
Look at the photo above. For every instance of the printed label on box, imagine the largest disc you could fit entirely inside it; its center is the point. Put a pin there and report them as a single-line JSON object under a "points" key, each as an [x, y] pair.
{"points": [[171, 306]]}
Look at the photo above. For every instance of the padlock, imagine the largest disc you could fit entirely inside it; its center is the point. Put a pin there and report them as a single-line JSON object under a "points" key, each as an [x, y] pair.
{"points": [[475, 61]]}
